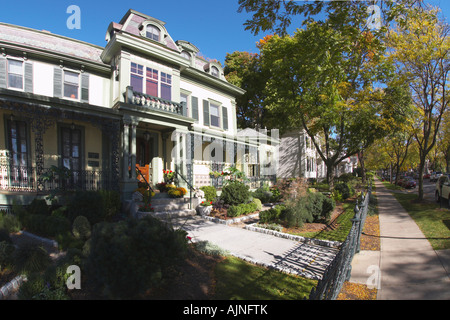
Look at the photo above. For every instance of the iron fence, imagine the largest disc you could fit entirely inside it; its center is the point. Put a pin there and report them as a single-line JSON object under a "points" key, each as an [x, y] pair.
{"points": [[25, 179], [339, 270]]}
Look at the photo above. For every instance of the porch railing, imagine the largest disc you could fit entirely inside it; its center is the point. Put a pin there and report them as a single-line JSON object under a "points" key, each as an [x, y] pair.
{"points": [[154, 103], [24, 179]]}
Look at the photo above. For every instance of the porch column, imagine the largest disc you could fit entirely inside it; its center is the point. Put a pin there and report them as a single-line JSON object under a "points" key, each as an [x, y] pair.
{"points": [[125, 150], [133, 150]]}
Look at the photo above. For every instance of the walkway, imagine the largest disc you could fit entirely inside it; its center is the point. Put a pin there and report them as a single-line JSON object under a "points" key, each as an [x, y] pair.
{"points": [[282, 254], [407, 267]]}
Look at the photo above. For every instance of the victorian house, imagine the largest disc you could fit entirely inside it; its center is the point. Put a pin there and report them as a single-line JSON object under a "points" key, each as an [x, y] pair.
{"points": [[143, 101]]}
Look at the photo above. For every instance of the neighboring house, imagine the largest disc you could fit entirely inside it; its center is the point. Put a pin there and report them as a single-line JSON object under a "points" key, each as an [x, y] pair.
{"points": [[143, 100], [299, 158]]}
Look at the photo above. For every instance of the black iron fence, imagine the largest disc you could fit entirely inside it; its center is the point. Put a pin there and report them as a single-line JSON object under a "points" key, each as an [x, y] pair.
{"points": [[24, 179], [339, 270]]}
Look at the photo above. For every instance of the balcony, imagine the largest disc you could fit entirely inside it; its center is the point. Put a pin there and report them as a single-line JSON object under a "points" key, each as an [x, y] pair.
{"points": [[154, 103], [24, 179]]}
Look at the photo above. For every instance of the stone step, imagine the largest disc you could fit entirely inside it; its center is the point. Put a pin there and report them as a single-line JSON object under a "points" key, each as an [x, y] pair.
{"points": [[169, 213]]}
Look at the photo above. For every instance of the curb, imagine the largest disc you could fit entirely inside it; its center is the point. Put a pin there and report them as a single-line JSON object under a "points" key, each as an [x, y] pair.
{"points": [[231, 221], [7, 290], [319, 242]]}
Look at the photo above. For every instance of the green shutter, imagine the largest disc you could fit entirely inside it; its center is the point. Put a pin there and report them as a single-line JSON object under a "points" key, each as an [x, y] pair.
{"points": [[85, 87], [28, 77], [3, 74], [57, 82], [206, 112], [194, 103], [225, 118]]}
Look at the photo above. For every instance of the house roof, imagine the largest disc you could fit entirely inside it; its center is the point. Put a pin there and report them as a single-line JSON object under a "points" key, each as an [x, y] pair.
{"points": [[11, 35]]}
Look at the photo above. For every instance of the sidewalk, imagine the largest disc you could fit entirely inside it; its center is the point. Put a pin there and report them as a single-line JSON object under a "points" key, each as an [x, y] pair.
{"points": [[407, 267]]}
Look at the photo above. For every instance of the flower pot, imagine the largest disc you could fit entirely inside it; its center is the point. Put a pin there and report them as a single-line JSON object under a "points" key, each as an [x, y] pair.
{"points": [[204, 210]]}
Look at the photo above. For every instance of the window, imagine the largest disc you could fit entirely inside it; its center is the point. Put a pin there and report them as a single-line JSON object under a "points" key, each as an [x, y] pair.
{"points": [[18, 142], [215, 71], [166, 86], [137, 76], [152, 82], [15, 74], [215, 115], [152, 32], [186, 55], [71, 152], [184, 98], [71, 84]]}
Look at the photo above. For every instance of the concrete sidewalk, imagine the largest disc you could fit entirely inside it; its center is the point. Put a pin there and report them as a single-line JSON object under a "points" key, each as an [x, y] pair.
{"points": [[407, 267]]}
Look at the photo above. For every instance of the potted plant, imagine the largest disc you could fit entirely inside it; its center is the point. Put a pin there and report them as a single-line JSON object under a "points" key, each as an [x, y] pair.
{"points": [[204, 209], [168, 176]]}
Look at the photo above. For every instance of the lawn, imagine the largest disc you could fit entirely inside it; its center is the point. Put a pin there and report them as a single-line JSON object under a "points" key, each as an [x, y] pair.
{"points": [[239, 280], [431, 219]]}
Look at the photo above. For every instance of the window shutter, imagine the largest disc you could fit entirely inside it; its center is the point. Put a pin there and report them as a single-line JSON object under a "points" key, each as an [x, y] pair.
{"points": [[194, 103], [28, 77], [3, 74], [57, 82], [85, 87], [206, 112], [225, 118]]}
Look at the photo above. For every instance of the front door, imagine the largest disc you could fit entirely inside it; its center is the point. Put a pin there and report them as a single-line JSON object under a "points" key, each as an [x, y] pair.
{"points": [[71, 154]]}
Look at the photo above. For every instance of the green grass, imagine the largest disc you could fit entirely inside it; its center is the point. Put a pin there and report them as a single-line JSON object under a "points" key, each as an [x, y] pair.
{"points": [[431, 219], [237, 279], [391, 186]]}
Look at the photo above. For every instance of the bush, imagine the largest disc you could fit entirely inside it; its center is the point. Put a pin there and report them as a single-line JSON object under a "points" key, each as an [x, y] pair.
{"points": [[344, 190], [29, 257], [293, 216], [87, 203], [328, 206], [47, 226], [38, 206], [4, 235], [234, 193], [258, 204], [272, 215], [81, 228], [111, 204], [263, 194], [127, 258], [10, 223], [6, 254], [210, 193], [241, 209]]}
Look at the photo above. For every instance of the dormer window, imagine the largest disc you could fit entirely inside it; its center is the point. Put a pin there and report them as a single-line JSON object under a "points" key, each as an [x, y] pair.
{"points": [[215, 71], [186, 55], [152, 32]]}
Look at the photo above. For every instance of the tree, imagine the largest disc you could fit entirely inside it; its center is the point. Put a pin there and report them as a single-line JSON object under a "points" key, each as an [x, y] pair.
{"points": [[420, 48], [243, 70]]}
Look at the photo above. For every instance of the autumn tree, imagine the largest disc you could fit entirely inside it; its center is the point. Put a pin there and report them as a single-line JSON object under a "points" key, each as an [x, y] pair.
{"points": [[420, 49]]}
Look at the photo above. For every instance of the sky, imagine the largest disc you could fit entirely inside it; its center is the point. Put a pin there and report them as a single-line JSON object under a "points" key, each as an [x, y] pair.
{"points": [[214, 26]]}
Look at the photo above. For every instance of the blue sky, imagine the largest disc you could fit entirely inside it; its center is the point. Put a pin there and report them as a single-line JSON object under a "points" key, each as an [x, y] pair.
{"points": [[214, 26]]}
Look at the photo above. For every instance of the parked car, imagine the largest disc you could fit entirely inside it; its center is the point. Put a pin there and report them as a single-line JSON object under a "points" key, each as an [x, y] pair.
{"points": [[443, 188], [408, 183], [426, 176]]}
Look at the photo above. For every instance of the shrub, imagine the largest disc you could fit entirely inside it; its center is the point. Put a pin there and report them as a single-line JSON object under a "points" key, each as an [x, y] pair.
{"points": [[263, 194], [328, 206], [10, 223], [258, 204], [272, 215], [293, 217], [81, 228], [234, 211], [111, 204], [34, 285], [29, 257], [234, 193], [87, 203], [210, 193], [344, 190], [128, 257], [6, 254], [38, 206], [4, 235]]}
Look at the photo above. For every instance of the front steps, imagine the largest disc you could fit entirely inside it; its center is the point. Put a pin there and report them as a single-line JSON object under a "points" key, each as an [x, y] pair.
{"points": [[165, 207]]}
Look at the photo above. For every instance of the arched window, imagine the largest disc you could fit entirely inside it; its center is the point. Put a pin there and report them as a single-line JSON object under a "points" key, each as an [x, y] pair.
{"points": [[215, 71], [152, 32], [186, 55]]}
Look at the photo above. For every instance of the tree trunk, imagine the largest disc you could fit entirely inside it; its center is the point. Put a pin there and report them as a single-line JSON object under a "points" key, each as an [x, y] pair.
{"points": [[421, 167], [330, 175]]}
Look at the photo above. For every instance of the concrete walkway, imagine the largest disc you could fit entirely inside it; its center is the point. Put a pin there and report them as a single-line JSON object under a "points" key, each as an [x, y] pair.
{"points": [[407, 267], [286, 255]]}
